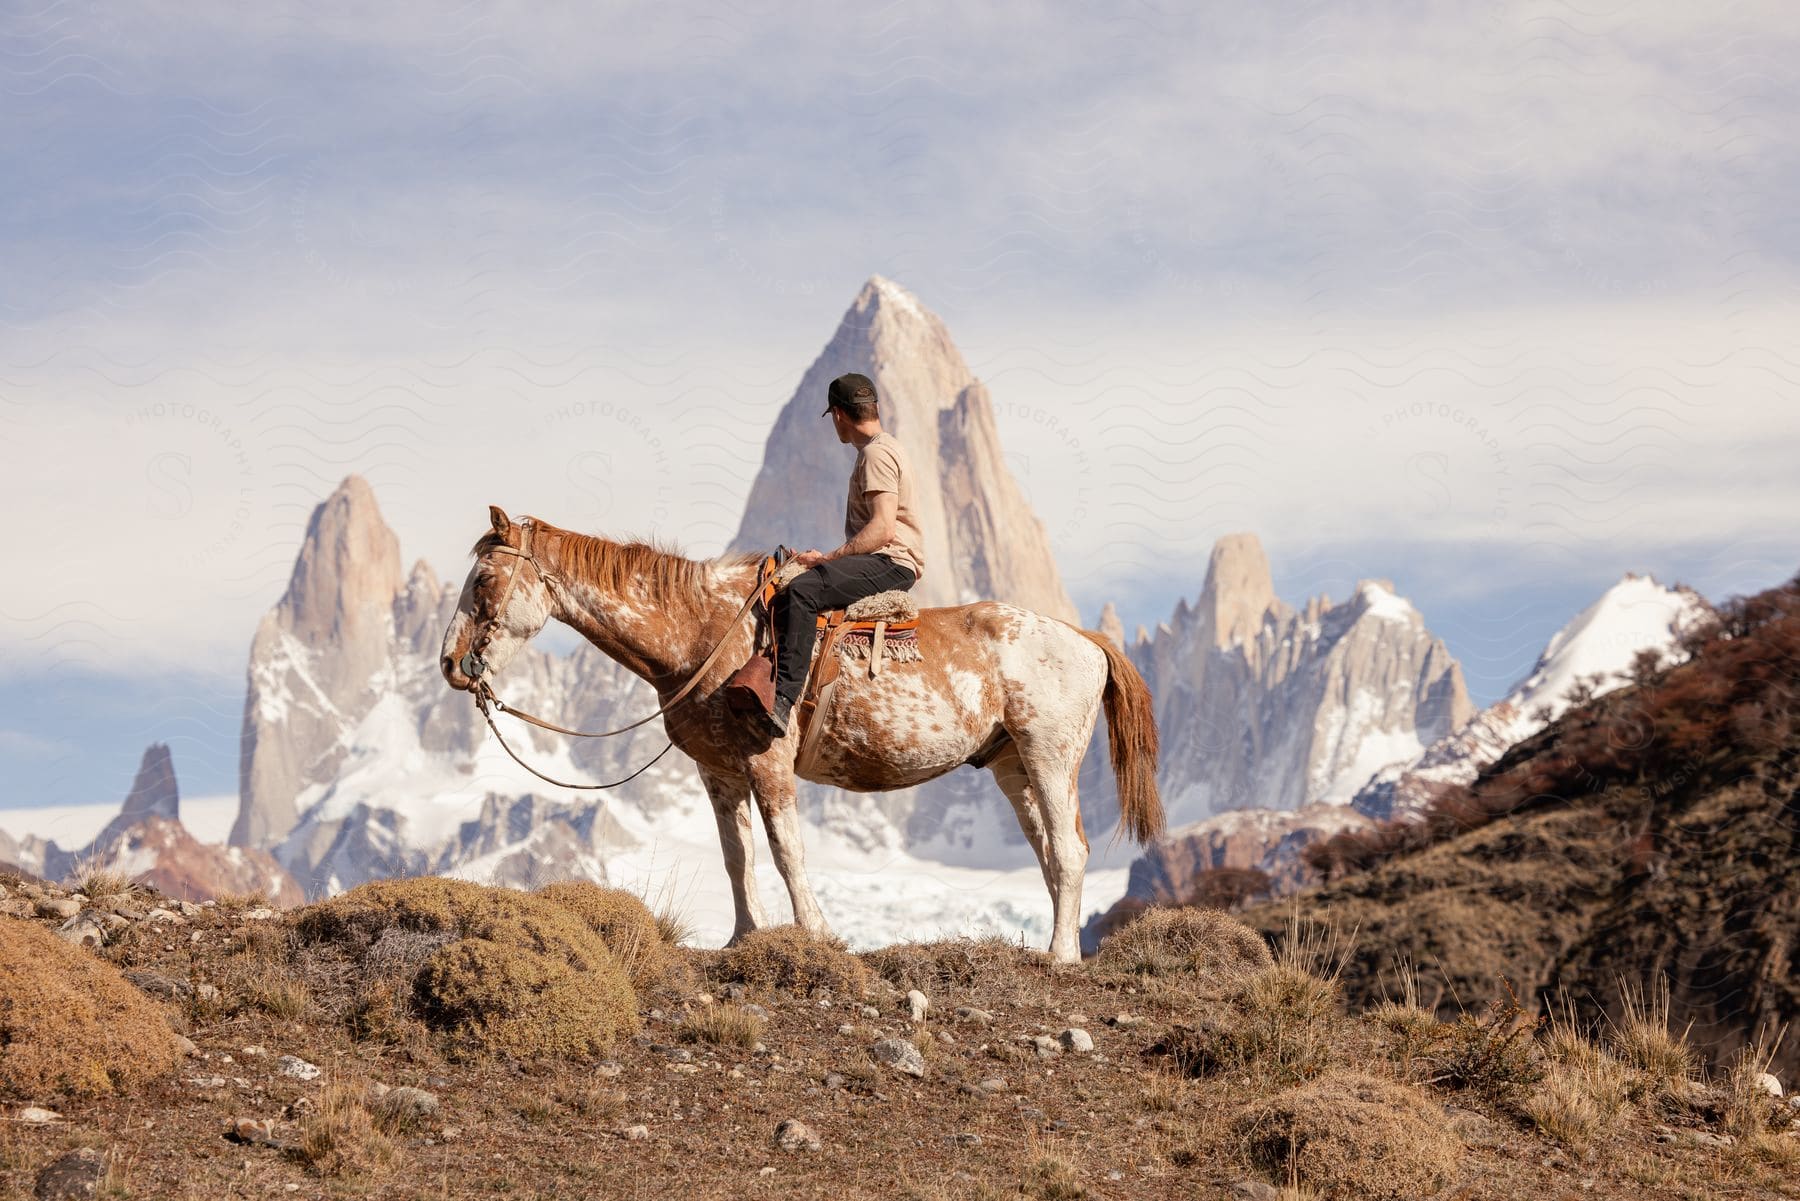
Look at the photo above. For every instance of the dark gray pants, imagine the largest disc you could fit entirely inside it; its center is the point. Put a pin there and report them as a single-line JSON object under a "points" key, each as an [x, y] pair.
{"points": [[833, 585]]}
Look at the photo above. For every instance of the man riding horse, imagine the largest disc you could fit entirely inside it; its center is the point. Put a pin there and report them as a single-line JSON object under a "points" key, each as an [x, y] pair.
{"points": [[884, 550]]}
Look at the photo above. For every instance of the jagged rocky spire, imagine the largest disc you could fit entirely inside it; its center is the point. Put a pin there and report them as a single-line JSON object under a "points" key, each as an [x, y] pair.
{"points": [[982, 540]]}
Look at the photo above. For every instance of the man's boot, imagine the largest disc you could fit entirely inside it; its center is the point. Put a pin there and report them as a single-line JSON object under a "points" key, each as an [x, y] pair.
{"points": [[778, 717]]}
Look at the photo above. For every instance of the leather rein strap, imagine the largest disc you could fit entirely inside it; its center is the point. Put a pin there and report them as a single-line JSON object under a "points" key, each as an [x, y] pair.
{"points": [[485, 696]]}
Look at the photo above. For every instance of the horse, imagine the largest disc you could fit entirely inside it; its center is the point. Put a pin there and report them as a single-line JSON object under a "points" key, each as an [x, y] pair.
{"points": [[998, 686]]}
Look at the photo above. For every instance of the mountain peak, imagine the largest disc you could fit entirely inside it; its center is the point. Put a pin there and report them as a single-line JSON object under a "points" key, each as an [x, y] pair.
{"points": [[154, 791], [982, 540], [349, 561], [1239, 589], [1109, 625]]}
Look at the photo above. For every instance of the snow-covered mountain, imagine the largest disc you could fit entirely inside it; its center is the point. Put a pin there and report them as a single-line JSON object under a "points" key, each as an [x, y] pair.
{"points": [[982, 540], [1265, 706], [1594, 651]]}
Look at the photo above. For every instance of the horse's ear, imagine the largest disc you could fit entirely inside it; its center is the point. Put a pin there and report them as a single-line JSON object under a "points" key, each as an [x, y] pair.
{"points": [[502, 522]]}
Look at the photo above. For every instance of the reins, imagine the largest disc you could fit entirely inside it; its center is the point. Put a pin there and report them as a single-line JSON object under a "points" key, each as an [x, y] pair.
{"points": [[484, 693]]}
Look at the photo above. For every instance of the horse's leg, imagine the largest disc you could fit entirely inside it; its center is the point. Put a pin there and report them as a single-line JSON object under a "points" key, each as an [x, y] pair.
{"points": [[1065, 855], [730, 797], [1009, 774], [775, 796]]}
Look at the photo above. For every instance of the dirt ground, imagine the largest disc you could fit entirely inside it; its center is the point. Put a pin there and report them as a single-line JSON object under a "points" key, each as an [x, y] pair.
{"points": [[672, 1115]]}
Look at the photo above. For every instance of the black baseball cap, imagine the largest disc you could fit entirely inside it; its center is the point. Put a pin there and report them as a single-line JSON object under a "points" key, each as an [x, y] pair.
{"points": [[848, 391]]}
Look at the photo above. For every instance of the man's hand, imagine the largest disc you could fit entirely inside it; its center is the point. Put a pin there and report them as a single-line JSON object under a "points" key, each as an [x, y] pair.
{"points": [[809, 558]]}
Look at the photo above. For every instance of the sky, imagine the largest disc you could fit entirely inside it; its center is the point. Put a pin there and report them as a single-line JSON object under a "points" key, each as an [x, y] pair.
{"points": [[1494, 301]]}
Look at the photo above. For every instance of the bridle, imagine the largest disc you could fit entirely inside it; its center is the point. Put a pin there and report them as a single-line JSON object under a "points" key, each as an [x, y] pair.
{"points": [[475, 667]]}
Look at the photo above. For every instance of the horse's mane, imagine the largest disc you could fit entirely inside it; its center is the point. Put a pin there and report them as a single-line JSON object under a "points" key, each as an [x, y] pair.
{"points": [[612, 566]]}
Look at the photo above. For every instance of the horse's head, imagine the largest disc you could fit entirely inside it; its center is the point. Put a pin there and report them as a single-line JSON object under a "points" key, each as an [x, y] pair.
{"points": [[504, 603]]}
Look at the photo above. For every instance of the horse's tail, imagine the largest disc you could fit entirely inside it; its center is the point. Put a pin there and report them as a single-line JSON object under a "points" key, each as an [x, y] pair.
{"points": [[1132, 741]]}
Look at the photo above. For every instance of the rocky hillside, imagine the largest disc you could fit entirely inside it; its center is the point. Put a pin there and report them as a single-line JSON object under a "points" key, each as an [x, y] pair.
{"points": [[359, 1048], [1649, 836]]}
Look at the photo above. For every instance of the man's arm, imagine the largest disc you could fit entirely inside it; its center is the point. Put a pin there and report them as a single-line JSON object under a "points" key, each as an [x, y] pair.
{"points": [[871, 538]]}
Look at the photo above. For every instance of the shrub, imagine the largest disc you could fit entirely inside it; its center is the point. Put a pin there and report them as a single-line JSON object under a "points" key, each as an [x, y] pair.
{"points": [[1493, 1055], [70, 1023], [788, 957], [622, 921], [1200, 942], [1285, 1020], [104, 884], [497, 969], [1347, 1135]]}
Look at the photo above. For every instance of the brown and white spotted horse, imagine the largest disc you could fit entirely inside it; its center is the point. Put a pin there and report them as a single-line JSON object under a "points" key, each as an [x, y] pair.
{"points": [[997, 684]]}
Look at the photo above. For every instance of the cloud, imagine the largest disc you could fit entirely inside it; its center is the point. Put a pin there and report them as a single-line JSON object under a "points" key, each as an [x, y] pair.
{"points": [[1511, 275]]}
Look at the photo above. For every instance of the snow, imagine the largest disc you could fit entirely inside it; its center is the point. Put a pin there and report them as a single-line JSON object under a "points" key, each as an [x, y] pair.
{"points": [[1381, 603], [1635, 614]]}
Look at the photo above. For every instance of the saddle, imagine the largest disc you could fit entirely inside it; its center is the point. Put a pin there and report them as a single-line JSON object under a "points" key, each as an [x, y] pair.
{"points": [[876, 628]]}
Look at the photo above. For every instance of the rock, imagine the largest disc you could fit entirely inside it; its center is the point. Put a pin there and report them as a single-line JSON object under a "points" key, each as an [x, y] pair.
{"points": [[992, 1084], [977, 1017], [406, 1106], [757, 1011], [1045, 1046], [869, 1011], [1077, 1040], [795, 1135], [31, 1115], [83, 931], [609, 1068], [299, 1069], [635, 1134], [73, 1176], [207, 1081], [58, 907], [160, 914], [846, 1028], [900, 1055], [1076, 1019], [835, 1080], [1769, 1084], [1254, 1190], [262, 913], [187, 1046], [1125, 1021], [966, 1138], [917, 1005], [128, 911], [733, 992], [255, 1132]]}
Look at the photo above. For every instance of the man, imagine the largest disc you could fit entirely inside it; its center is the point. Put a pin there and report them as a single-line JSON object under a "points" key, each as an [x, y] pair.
{"points": [[884, 548]]}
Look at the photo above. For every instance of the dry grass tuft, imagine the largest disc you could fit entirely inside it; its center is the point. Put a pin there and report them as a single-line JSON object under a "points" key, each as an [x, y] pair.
{"points": [[722, 1026], [1584, 1093], [70, 1023], [498, 969], [788, 957], [1051, 1177], [1198, 942], [104, 884], [1348, 1135], [953, 965], [341, 1137], [622, 921], [1641, 1039], [1285, 1019], [1753, 1117]]}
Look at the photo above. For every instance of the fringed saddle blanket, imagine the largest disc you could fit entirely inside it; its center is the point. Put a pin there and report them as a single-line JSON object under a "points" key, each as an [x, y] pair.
{"points": [[888, 610]]}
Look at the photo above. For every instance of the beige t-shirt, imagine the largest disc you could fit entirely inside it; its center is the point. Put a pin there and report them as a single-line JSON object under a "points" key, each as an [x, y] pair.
{"points": [[881, 466]]}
